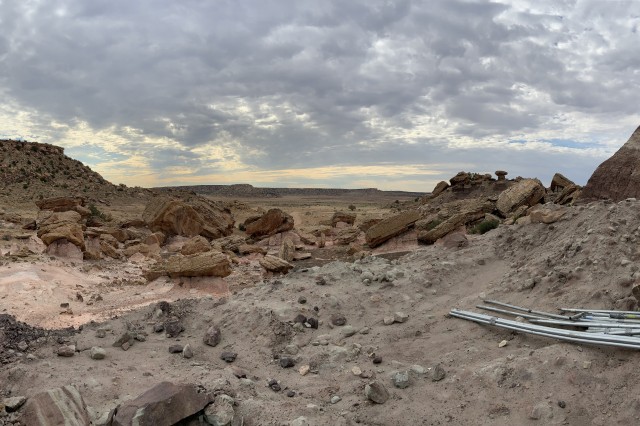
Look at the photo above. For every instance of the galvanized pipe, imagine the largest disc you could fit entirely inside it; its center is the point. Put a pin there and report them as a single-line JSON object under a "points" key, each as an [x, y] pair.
{"points": [[572, 336], [601, 311], [531, 311], [504, 311], [583, 323]]}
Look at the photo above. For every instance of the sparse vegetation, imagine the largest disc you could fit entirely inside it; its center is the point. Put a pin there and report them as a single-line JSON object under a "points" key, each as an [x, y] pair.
{"points": [[485, 226], [433, 224], [95, 212], [352, 207]]}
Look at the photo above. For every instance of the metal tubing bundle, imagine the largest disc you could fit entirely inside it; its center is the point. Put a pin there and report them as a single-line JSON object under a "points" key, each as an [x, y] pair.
{"points": [[600, 327]]}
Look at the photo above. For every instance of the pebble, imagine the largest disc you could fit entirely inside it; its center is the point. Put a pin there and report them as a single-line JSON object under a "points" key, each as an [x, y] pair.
{"points": [[158, 328], [376, 392], [418, 369], [300, 421], [221, 412], [101, 333], [502, 344], [388, 320], [304, 370], [66, 350], [438, 373], [302, 300], [348, 331], [291, 349], [97, 352], [356, 371], [291, 394], [338, 320], [400, 379], [287, 362], [176, 349], [562, 404], [228, 356], [400, 317], [313, 323], [173, 328], [335, 399], [586, 365], [187, 352], [377, 359], [274, 385], [365, 330]]}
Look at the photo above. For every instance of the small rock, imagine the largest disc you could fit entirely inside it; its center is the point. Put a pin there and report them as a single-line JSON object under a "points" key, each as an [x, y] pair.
{"points": [[313, 323], [400, 379], [400, 317], [158, 327], [14, 403], [377, 359], [300, 421], [228, 356], [97, 352], [126, 345], [23, 346], [291, 349], [287, 362], [101, 333], [291, 394], [356, 371], [67, 350], [348, 331], [304, 370], [586, 365], [176, 349], [221, 412], [541, 411], [388, 320], [302, 300], [562, 404], [376, 392], [124, 338], [438, 373], [338, 320], [300, 319], [213, 336], [274, 385], [365, 330], [173, 328], [335, 399], [187, 352], [502, 344]]}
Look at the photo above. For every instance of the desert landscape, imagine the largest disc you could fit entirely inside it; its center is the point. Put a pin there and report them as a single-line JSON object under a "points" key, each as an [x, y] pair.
{"points": [[194, 306]]}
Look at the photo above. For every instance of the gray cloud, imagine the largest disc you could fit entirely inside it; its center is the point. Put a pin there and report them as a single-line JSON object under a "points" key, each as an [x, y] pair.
{"points": [[300, 83]]}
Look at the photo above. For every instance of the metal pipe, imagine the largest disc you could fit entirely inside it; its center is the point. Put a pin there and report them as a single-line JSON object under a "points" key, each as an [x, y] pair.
{"points": [[531, 311], [575, 336], [584, 323], [601, 311], [504, 311]]}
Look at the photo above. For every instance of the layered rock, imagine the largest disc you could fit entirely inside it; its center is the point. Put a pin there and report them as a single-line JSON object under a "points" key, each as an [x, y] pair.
{"points": [[53, 226], [270, 223], [198, 244], [448, 226], [346, 236], [526, 192], [559, 182], [345, 217], [60, 406], [439, 189], [63, 204], [211, 263], [275, 264], [175, 217], [618, 177], [390, 227]]}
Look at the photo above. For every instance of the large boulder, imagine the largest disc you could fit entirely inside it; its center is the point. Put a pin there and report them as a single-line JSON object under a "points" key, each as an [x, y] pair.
{"points": [[527, 192], [211, 263], [390, 227], [60, 406], [618, 177], [270, 223], [163, 405], [559, 182], [53, 226], [175, 217]]}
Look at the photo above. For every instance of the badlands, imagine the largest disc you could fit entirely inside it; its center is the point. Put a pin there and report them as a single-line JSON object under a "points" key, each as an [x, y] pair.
{"points": [[245, 306]]}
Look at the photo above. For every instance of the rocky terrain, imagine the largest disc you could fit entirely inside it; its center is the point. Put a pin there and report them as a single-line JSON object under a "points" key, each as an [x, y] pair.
{"points": [[183, 309]]}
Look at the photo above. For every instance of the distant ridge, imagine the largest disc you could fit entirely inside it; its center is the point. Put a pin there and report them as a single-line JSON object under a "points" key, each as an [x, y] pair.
{"points": [[250, 191]]}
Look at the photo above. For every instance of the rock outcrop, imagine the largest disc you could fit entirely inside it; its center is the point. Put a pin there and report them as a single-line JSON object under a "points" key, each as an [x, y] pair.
{"points": [[345, 217], [211, 263], [175, 217], [63, 204], [440, 187], [390, 227], [527, 192], [53, 226], [618, 178], [272, 222]]}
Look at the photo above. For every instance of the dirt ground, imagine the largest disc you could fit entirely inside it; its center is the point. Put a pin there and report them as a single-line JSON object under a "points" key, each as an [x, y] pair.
{"points": [[587, 260]]}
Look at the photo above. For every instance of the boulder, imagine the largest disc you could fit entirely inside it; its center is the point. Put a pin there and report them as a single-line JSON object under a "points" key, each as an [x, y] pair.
{"points": [[275, 264], [60, 204], [287, 250], [559, 182], [502, 175], [618, 178], [60, 225], [163, 405], [175, 217], [548, 213], [345, 217], [568, 195], [211, 263], [272, 222], [390, 227], [245, 249], [230, 243], [65, 249], [448, 226], [60, 406], [526, 192], [346, 236], [461, 178], [197, 244], [439, 189], [109, 250]]}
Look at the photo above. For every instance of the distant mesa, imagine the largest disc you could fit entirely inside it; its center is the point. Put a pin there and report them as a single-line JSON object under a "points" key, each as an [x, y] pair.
{"points": [[618, 178]]}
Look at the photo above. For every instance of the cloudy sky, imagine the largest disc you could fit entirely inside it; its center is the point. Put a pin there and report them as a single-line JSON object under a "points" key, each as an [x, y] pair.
{"points": [[334, 93]]}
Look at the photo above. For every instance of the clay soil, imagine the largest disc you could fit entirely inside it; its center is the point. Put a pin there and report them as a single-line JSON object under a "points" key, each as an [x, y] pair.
{"points": [[586, 260]]}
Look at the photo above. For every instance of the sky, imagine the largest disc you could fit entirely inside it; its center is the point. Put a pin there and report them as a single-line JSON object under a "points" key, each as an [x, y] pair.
{"points": [[395, 95]]}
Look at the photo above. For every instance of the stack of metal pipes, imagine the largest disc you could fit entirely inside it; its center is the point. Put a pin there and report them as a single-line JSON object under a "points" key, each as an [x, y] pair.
{"points": [[586, 326]]}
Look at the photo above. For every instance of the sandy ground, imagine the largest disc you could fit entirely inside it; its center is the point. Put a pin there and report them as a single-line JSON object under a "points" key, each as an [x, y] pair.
{"points": [[587, 260]]}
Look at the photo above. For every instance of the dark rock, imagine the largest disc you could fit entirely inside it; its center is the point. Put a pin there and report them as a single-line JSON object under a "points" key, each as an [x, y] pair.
{"points": [[438, 373], [173, 328], [300, 318], [287, 362], [213, 336], [274, 385], [338, 319], [313, 323], [376, 392], [377, 359], [302, 300], [291, 394], [164, 404], [228, 356], [158, 327], [124, 338], [175, 349]]}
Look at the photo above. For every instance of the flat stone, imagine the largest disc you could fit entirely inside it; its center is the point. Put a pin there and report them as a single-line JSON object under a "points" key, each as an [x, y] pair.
{"points": [[14, 403], [335, 399], [300, 421], [304, 370], [356, 371]]}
